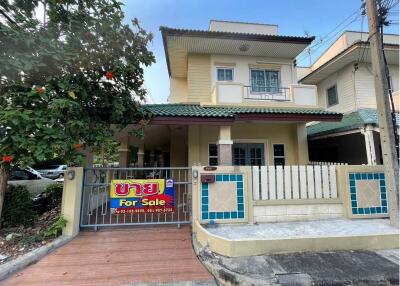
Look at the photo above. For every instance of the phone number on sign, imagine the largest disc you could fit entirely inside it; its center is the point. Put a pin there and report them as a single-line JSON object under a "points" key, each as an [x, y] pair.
{"points": [[139, 211]]}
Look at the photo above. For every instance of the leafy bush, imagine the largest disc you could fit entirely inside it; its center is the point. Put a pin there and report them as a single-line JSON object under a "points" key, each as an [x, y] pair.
{"points": [[18, 207], [54, 195], [56, 228]]}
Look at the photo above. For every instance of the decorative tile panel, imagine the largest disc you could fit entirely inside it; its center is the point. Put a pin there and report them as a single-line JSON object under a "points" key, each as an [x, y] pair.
{"points": [[368, 194], [224, 199]]}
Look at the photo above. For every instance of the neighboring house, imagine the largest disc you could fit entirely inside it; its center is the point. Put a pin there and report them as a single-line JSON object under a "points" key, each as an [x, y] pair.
{"points": [[234, 100], [343, 75]]}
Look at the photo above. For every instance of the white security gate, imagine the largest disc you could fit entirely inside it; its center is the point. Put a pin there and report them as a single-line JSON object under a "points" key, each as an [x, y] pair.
{"points": [[95, 208]]}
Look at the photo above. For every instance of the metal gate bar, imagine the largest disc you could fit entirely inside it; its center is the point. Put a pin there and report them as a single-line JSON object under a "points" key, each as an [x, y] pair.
{"points": [[95, 207]]}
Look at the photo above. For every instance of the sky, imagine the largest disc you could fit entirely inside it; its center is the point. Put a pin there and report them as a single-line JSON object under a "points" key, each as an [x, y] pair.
{"points": [[320, 18]]}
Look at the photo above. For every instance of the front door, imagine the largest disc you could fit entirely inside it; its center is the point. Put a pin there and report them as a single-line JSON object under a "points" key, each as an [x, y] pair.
{"points": [[248, 154]]}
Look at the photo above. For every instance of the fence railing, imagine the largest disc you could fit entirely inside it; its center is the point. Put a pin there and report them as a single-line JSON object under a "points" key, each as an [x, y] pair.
{"points": [[294, 182], [325, 163], [267, 93]]}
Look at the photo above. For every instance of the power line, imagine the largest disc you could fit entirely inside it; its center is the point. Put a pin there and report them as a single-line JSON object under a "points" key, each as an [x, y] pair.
{"points": [[326, 38]]}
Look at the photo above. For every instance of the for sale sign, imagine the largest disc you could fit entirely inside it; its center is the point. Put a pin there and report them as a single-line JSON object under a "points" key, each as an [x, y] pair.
{"points": [[142, 196]]}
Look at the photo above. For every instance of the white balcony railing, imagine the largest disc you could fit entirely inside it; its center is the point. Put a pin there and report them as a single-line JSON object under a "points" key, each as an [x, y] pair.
{"points": [[267, 93], [237, 93]]}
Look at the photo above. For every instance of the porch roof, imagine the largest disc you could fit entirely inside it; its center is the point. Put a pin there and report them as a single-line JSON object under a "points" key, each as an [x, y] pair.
{"points": [[350, 121], [196, 113]]}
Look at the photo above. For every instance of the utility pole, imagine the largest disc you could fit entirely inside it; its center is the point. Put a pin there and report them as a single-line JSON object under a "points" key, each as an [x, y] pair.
{"points": [[386, 127]]}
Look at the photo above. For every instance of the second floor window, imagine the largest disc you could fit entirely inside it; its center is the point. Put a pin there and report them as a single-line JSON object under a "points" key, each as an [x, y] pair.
{"points": [[331, 94], [265, 81], [225, 74]]}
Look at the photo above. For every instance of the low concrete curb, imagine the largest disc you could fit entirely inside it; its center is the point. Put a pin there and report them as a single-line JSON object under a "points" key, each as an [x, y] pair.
{"points": [[9, 268], [222, 275]]}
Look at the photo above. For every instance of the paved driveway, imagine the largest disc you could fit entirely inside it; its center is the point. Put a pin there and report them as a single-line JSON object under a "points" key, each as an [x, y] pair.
{"points": [[119, 257]]}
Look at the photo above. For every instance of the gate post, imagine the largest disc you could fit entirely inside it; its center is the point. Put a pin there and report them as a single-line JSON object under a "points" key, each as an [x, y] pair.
{"points": [[71, 200]]}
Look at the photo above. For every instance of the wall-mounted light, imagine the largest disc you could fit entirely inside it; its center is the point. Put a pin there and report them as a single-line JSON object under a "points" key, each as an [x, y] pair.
{"points": [[71, 175], [195, 174]]}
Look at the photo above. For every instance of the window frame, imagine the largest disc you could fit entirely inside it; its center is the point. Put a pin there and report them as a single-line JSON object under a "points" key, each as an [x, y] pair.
{"points": [[327, 96], [264, 70], [209, 156], [279, 157], [224, 68]]}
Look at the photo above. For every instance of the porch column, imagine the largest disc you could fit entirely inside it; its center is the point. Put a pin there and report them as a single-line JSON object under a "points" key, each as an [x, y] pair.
{"points": [[124, 153], [369, 144], [224, 146], [302, 144], [140, 156]]}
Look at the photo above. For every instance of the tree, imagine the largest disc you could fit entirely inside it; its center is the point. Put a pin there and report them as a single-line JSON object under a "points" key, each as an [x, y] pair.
{"points": [[66, 79]]}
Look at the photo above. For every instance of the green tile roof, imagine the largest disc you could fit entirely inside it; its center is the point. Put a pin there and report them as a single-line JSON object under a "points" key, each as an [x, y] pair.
{"points": [[350, 121], [196, 110]]}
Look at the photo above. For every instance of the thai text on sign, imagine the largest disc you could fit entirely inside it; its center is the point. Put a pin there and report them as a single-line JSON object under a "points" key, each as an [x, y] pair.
{"points": [[142, 196]]}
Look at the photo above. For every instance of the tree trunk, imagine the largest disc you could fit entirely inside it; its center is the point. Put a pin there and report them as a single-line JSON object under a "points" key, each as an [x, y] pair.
{"points": [[4, 175]]}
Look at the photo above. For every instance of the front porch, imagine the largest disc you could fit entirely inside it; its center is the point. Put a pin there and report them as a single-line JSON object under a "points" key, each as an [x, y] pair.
{"points": [[189, 134]]}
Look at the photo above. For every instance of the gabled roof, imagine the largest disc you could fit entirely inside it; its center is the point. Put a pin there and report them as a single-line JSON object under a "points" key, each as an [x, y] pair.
{"points": [[357, 52], [190, 113], [350, 121], [178, 43]]}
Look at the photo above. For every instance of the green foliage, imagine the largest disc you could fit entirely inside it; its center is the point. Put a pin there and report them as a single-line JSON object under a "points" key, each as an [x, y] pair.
{"points": [[54, 194], [56, 228], [65, 81], [18, 207], [107, 152]]}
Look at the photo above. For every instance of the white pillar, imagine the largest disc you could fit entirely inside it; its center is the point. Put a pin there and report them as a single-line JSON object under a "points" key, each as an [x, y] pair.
{"points": [[369, 144], [224, 146]]}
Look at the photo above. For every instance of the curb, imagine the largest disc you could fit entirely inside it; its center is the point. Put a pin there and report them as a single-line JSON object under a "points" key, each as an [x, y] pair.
{"points": [[9, 268]]}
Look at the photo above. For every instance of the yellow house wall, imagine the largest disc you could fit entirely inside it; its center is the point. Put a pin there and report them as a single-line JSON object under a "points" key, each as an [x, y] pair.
{"points": [[199, 78], [178, 90], [178, 147], [292, 135]]}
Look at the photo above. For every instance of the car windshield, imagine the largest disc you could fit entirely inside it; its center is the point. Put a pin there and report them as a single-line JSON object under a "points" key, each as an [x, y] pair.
{"points": [[53, 166]]}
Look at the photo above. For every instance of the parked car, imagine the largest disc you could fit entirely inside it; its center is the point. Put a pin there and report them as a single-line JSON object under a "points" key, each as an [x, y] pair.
{"points": [[54, 171], [35, 183]]}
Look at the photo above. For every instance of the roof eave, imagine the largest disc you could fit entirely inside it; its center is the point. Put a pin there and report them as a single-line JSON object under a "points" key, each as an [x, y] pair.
{"points": [[196, 120], [358, 44], [237, 36]]}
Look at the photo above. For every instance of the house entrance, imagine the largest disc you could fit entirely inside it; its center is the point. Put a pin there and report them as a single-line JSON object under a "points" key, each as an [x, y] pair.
{"points": [[248, 154]]}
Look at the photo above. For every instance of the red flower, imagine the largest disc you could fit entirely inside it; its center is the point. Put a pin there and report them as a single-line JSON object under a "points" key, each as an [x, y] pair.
{"points": [[88, 35], [78, 146], [40, 90], [109, 75], [7, 159]]}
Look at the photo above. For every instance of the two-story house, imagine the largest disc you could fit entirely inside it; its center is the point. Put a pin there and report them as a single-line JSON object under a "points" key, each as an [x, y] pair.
{"points": [[345, 83], [234, 100]]}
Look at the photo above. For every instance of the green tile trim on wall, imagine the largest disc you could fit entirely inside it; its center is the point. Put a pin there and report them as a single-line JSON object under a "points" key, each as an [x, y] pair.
{"points": [[239, 213], [373, 210]]}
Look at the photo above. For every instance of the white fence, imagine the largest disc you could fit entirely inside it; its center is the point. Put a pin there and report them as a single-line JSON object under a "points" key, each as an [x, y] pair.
{"points": [[294, 182], [325, 163]]}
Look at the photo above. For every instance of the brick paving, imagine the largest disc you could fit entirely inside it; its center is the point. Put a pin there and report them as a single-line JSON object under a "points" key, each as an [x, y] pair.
{"points": [[118, 257]]}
